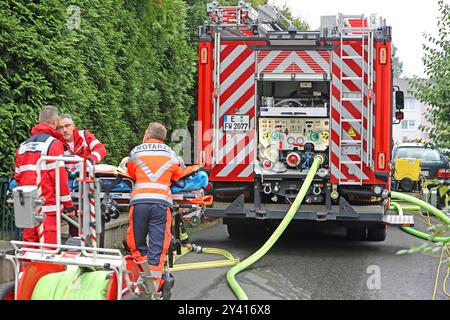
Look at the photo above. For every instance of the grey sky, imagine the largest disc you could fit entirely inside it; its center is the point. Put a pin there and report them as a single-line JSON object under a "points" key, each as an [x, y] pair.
{"points": [[408, 18]]}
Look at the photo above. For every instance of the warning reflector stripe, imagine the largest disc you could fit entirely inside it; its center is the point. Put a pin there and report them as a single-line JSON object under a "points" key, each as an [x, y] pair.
{"points": [[307, 61], [233, 160]]}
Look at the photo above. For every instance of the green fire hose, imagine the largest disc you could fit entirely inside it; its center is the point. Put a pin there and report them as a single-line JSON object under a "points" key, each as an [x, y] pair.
{"points": [[438, 213], [417, 204], [422, 204], [240, 294]]}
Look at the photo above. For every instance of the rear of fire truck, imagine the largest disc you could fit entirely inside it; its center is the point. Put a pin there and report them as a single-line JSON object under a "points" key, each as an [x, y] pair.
{"points": [[272, 97]]}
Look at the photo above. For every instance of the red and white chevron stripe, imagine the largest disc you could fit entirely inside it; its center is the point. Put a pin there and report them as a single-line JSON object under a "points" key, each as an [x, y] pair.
{"points": [[305, 62], [235, 151], [350, 110]]}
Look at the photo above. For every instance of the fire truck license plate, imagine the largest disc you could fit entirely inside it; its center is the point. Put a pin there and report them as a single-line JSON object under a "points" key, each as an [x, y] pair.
{"points": [[236, 122]]}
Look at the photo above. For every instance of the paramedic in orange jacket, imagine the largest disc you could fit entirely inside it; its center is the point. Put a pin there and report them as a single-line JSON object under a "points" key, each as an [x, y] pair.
{"points": [[152, 165]]}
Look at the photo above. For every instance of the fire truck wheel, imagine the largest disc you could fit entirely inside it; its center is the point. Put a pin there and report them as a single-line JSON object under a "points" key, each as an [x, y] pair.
{"points": [[7, 291], [377, 233], [356, 233]]}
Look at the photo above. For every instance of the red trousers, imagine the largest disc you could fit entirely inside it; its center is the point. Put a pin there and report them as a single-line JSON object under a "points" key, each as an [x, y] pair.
{"points": [[32, 234]]}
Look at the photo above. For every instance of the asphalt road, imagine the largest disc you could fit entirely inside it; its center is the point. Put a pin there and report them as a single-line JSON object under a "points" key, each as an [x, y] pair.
{"points": [[310, 263]]}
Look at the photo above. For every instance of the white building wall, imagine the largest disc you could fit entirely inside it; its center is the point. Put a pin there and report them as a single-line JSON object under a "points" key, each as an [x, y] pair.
{"points": [[414, 116]]}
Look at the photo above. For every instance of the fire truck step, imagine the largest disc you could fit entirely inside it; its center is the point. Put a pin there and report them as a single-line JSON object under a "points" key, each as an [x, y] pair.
{"points": [[359, 93], [352, 78], [351, 57], [350, 142], [351, 99], [355, 29], [351, 162], [351, 120], [397, 220]]}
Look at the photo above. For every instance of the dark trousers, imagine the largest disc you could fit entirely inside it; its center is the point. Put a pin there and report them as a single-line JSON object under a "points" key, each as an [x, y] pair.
{"points": [[149, 233]]}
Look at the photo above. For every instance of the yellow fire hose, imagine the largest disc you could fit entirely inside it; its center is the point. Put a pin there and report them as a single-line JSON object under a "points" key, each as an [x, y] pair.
{"points": [[229, 261]]}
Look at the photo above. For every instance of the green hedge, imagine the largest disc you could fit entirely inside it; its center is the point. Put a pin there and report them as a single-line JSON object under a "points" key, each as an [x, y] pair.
{"points": [[129, 62]]}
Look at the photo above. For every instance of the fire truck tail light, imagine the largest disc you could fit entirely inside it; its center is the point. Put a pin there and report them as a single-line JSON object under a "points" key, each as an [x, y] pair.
{"points": [[381, 161], [383, 56], [204, 55], [399, 115]]}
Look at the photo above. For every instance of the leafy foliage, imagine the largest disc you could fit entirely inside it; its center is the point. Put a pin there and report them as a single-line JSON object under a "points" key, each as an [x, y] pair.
{"points": [[128, 63], [434, 90], [297, 22], [115, 65]]}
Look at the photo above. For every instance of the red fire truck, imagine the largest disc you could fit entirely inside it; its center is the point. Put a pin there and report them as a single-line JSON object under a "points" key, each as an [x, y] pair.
{"points": [[271, 97]]}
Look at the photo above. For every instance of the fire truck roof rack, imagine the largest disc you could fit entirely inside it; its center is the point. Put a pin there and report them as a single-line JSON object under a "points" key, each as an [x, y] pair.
{"points": [[244, 21], [243, 17], [353, 26]]}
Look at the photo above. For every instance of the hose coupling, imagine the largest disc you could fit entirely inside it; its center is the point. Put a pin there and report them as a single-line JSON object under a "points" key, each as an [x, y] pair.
{"points": [[196, 248], [321, 157]]}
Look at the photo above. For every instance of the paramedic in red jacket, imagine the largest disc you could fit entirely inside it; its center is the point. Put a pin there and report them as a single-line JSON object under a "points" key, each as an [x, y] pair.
{"points": [[76, 142], [81, 143], [44, 141], [153, 165]]}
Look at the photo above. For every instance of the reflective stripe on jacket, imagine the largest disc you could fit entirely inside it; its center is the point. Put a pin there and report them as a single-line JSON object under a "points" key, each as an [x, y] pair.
{"points": [[43, 143], [85, 144], [153, 165]]}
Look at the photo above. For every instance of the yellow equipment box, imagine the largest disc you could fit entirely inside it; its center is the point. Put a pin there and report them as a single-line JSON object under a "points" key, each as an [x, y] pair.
{"points": [[407, 168]]}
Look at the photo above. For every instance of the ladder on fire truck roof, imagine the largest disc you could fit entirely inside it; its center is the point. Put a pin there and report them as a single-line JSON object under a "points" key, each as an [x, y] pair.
{"points": [[356, 33], [221, 16]]}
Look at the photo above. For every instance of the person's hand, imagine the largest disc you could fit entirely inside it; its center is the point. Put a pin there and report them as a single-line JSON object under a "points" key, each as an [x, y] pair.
{"points": [[91, 160]]}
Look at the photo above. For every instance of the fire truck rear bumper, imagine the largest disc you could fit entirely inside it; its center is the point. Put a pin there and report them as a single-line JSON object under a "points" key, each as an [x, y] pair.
{"points": [[338, 213]]}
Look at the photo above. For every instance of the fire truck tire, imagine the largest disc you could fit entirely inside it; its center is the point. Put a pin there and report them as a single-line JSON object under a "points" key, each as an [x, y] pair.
{"points": [[7, 291], [356, 233], [377, 233]]}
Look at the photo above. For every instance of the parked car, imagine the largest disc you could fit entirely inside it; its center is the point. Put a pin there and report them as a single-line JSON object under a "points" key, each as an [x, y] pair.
{"points": [[434, 172], [433, 163]]}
